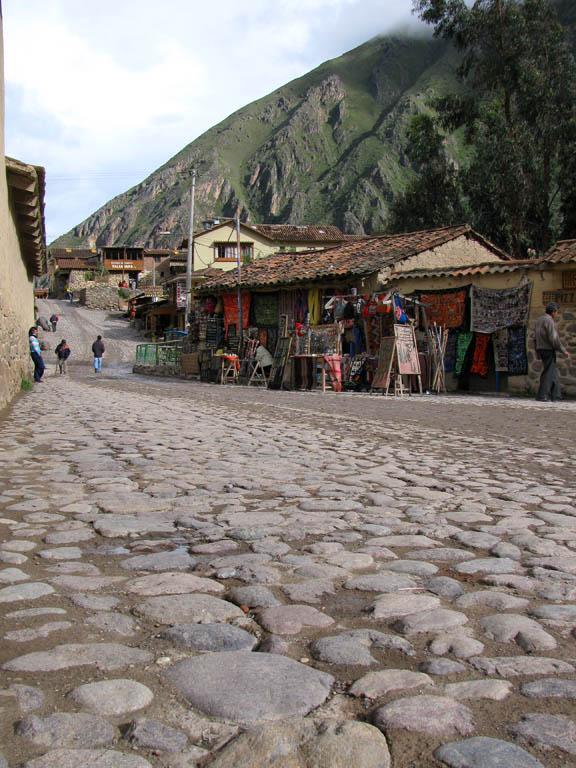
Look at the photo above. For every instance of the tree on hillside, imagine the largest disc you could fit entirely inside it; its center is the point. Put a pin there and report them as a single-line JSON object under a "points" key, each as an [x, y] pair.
{"points": [[433, 198], [519, 115]]}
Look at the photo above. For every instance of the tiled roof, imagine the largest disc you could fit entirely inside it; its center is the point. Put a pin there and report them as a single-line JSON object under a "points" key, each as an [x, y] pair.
{"points": [[361, 257], [73, 264], [485, 268], [563, 251], [296, 234], [73, 253]]}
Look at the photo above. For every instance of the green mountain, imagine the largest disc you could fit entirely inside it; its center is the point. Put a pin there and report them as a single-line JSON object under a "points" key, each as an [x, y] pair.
{"points": [[326, 148]]}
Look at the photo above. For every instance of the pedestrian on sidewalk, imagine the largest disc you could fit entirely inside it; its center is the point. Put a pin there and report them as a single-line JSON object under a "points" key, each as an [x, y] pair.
{"points": [[547, 343], [54, 322], [62, 353], [70, 293], [36, 354], [98, 350]]}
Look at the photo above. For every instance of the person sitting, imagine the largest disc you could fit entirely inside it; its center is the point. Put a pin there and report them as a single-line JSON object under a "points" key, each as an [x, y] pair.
{"points": [[263, 356]]}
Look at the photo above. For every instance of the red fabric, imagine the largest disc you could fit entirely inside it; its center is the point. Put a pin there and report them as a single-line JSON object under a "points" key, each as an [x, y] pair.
{"points": [[333, 363], [480, 360], [231, 310]]}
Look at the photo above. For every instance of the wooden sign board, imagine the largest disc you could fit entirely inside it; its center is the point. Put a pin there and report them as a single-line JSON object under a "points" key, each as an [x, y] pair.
{"points": [[281, 355], [381, 378], [406, 350]]}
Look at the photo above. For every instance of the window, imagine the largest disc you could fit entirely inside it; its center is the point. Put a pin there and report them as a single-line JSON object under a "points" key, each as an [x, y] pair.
{"points": [[227, 252]]}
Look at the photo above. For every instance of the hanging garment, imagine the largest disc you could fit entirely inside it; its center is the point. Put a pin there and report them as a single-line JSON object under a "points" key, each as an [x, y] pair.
{"points": [[500, 346], [480, 359], [462, 345], [314, 306]]}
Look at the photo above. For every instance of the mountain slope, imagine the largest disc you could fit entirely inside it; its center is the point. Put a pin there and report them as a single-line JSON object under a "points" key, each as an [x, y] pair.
{"points": [[327, 147]]}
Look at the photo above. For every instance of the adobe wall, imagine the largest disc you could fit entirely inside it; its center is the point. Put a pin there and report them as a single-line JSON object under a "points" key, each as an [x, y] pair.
{"points": [[16, 288], [462, 251]]}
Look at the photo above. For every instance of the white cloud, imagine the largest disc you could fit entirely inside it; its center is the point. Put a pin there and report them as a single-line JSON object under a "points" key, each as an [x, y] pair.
{"points": [[103, 93]]}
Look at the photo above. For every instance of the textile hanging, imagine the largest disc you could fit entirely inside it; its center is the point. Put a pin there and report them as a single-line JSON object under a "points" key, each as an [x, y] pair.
{"points": [[479, 359], [333, 364], [494, 309], [517, 357], [315, 306], [445, 308], [450, 353], [231, 310], [372, 333], [300, 304], [265, 309], [500, 345], [464, 341]]}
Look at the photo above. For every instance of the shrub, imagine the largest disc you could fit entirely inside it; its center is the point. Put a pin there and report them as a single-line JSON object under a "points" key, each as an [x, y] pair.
{"points": [[26, 385]]}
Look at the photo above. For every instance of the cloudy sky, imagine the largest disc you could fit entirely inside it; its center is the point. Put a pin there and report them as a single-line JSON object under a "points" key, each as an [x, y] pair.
{"points": [[102, 93]]}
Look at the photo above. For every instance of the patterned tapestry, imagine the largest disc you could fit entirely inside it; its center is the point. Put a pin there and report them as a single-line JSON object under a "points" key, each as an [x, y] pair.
{"points": [[500, 346], [295, 305], [517, 357], [446, 308], [450, 353], [462, 344], [231, 310], [479, 359], [265, 309], [492, 310], [372, 333]]}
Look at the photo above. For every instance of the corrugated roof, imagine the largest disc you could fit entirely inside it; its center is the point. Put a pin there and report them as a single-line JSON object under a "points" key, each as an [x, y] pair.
{"points": [[355, 258], [295, 233]]}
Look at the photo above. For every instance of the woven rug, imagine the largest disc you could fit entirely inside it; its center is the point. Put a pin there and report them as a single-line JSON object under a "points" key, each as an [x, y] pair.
{"points": [[517, 356], [492, 310], [445, 308]]}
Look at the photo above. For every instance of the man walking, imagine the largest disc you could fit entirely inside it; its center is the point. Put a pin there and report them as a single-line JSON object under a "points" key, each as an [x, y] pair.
{"points": [[547, 343], [98, 351], [36, 354], [62, 353], [54, 322]]}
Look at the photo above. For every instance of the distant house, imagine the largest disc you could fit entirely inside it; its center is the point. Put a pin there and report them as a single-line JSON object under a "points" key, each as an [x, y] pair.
{"points": [[22, 257]]}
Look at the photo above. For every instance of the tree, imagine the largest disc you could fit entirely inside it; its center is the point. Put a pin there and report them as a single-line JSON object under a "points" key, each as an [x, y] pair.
{"points": [[518, 113], [433, 198]]}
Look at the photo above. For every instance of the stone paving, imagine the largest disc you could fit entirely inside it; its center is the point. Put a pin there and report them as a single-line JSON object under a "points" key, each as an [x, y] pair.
{"points": [[202, 575]]}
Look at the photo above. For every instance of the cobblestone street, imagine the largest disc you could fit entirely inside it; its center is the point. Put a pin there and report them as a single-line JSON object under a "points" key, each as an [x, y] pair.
{"points": [[203, 575]]}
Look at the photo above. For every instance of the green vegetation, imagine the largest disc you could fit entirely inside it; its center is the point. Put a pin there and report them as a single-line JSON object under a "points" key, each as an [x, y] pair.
{"points": [[26, 385], [332, 146]]}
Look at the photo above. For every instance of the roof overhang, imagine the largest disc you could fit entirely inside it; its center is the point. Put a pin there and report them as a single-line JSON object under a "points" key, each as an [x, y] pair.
{"points": [[26, 188]]}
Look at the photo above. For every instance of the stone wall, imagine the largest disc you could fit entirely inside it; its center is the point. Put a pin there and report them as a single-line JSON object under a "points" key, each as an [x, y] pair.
{"points": [[97, 296]]}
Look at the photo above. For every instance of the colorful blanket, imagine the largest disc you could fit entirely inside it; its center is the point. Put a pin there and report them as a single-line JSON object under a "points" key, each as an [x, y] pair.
{"points": [[231, 310], [492, 310], [446, 308], [500, 346]]}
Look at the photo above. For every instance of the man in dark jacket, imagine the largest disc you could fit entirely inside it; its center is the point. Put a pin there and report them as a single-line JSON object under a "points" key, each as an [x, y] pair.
{"points": [[547, 343], [98, 351], [62, 353]]}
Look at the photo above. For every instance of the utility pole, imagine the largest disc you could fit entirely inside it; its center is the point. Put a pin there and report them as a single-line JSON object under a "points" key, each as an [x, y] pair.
{"points": [[190, 254], [238, 263]]}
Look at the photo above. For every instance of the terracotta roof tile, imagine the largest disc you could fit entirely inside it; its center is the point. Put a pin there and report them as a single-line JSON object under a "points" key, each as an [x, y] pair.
{"points": [[360, 257], [563, 251], [73, 253], [73, 264], [486, 268], [305, 233]]}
